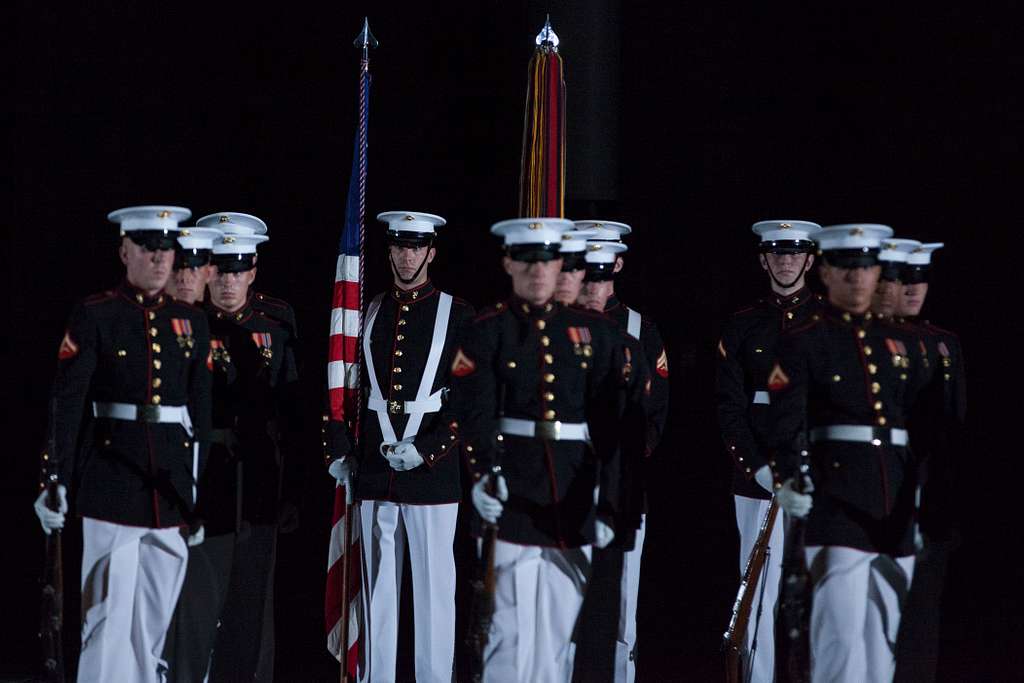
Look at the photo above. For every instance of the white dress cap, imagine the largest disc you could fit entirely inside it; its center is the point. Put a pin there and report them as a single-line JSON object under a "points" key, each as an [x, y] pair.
{"points": [[896, 249], [411, 221], [853, 236], [602, 251], [922, 254], [149, 217], [532, 230], [775, 231], [237, 244], [604, 230], [575, 241], [198, 238], [234, 223]]}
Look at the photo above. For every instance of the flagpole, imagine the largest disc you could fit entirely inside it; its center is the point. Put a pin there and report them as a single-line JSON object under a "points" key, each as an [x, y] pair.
{"points": [[364, 41]]}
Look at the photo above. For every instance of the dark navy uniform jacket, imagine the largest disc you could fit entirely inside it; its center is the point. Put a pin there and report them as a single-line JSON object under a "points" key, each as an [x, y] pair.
{"points": [[255, 413], [122, 346], [400, 343], [746, 352], [549, 363], [841, 369], [938, 424]]}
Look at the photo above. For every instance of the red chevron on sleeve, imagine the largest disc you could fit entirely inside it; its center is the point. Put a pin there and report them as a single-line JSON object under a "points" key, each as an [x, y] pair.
{"points": [[68, 347]]}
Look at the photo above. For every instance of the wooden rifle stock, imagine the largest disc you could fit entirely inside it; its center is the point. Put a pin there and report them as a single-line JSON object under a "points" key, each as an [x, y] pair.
{"points": [[792, 625], [484, 577], [736, 634]]}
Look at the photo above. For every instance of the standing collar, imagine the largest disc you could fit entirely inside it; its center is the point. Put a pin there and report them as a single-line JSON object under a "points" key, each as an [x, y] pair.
{"points": [[845, 317], [524, 309], [138, 297], [407, 296], [238, 316]]}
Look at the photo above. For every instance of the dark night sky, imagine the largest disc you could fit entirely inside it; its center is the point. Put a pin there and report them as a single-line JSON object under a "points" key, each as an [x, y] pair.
{"points": [[690, 122]]}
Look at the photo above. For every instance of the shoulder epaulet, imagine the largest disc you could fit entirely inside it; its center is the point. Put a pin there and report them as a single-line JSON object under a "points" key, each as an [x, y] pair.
{"points": [[274, 308], [459, 301], [272, 301], [491, 311], [99, 297], [814, 321], [935, 329]]}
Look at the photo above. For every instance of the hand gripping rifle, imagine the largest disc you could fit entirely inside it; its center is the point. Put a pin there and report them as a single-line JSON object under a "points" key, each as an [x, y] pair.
{"points": [[792, 625], [51, 609], [483, 581], [739, 667]]}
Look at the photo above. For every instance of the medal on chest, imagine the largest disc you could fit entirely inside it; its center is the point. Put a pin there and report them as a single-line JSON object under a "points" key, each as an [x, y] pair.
{"points": [[580, 338], [264, 342], [183, 331], [898, 351]]}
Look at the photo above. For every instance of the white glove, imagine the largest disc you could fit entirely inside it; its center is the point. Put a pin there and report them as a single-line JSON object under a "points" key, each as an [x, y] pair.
{"points": [[765, 479], [603, 534], [339, 469], [796, 504], [404, 457], [489, 507], [48, 518], [195, 539]]}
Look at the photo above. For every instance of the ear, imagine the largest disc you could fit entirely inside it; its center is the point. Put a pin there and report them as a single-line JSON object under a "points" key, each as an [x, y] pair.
{"points": [[810, 263], [122, 251], [431, 253], [251, 276], [619, 262], [506, 263]]}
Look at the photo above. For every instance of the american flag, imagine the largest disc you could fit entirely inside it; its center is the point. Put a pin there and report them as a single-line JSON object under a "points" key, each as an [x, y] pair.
{"points": [[344, 555]]}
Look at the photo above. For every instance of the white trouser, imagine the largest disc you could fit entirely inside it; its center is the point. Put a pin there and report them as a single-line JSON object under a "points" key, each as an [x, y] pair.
{"points": [[537, 597], [856, 615], [131, 577], [750, 514], [625, 646], [430, 533]]}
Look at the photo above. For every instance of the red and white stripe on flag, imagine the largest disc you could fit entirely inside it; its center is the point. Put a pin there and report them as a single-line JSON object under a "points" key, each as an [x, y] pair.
{"points": [[343, 354], [338, 555]]}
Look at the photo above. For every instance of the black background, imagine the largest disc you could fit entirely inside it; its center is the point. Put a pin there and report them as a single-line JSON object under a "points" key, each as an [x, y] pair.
{"points": [[689, 122]]}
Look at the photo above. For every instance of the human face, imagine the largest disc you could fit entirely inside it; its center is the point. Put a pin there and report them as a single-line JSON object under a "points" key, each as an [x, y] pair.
{"points": [[533, 282], [913, 298], [567, 288], [788, 268], [229, 291], [850, 289], [144, 269], [405, 261], [887, 296], [189, 284], [595, 295]]}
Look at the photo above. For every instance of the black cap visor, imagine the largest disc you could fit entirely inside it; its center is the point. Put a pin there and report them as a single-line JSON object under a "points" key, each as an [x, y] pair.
{"points": [[234, 263], [600, 272], [786, 247], [191, 258], [412, 240], [533, 253], [865, 257], [154, 240], [915, 274], [573, 260], [892, 271]]}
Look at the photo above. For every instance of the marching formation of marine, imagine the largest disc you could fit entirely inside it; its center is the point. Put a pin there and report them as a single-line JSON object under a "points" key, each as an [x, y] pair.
{"points": [[175, 428]]}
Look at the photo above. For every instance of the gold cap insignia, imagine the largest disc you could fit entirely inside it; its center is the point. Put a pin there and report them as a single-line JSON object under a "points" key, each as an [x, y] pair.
{"points": [[785, 226], [225, 219], [164, 214], [534, 226], [185, 232], [595, 247], [228, 239], [409, 218], [857, 231]]}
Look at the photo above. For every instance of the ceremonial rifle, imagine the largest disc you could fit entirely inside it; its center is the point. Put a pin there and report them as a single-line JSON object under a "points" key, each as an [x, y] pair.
{"points": [[754, 576], [483, 582], [792, 625], [51, 617]]}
